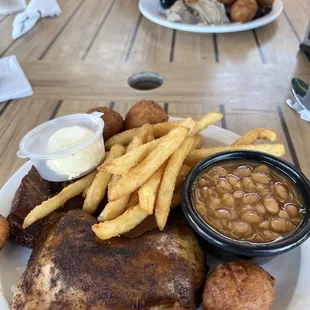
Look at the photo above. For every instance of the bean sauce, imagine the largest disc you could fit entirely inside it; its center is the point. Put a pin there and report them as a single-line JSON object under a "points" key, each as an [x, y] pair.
{"points": [[248, 201]]}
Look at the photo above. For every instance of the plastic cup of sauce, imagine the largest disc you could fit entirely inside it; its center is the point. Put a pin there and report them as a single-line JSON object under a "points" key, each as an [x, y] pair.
{"points": [[65, 148]]}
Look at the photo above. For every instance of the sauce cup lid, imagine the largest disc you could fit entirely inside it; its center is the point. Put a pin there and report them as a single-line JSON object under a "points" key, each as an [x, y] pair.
{"points": [[34, 144]]}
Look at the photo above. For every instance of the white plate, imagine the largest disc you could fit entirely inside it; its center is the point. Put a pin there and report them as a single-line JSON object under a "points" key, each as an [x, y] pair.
{"points": [[153, 11], [291, 270]]}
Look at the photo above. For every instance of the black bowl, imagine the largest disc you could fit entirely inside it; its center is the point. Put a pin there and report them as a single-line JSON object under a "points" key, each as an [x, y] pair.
{"points": [[226, 248]]}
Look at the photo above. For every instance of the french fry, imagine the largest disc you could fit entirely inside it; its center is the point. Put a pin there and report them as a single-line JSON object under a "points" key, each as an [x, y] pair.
{"points": [[85, 191], [206, 121], [133, 200], [122, 224], [188, 123], [114, 179], [182, 175], [125, 137], [113, 209], [176, 198], [145, 169], [52, 204], [124, 163], [260, 133], [148, 191], [162, 129], [145, 131], [135, 143], [150, 138], [167, 186], [197, 155], [197, 144], [98, 187]]}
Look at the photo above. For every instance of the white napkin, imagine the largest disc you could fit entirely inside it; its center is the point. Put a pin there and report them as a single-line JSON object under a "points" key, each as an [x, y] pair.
{"points": [[8, 7], [35, 10], [13, 82], [304, 113]]}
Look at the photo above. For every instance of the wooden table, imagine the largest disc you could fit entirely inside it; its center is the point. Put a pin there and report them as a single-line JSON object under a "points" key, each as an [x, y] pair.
{"points": [[84, 57]]}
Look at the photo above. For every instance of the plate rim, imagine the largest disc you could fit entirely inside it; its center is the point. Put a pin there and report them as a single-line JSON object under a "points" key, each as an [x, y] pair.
{"points": [[226, 28]]}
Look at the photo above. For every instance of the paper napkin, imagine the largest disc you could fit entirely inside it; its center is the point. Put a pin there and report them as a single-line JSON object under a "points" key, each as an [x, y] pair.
{"points": [[304, 113], [13, 82]]}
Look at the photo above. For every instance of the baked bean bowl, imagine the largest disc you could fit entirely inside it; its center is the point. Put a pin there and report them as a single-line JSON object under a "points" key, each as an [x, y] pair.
{"points": [[248, 204]]}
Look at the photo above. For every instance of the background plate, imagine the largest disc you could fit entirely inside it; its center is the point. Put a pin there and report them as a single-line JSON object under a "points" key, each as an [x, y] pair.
{"points": [[153, 11], [291, 270]]}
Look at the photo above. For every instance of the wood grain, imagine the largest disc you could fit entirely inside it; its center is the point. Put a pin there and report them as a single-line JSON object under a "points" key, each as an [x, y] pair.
{"points": [[113, 40], [279, 43], [78, 106], [6, 35], [239, 48], [15, 122], [298, 13], [75, 39], [153, 43], [250, 85], [299, 131], [193, 48], [33, 44]]}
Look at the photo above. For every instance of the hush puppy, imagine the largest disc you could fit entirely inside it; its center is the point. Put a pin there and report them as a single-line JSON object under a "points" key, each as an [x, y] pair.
{"points": [[227, 2], [239, 286], [4, 231], [243, 11], [145, 112], [113, 121], [265, 3]]}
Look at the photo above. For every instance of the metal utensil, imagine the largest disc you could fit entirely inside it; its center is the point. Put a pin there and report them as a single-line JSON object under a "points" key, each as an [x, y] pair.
{"points": [[301, 93]]}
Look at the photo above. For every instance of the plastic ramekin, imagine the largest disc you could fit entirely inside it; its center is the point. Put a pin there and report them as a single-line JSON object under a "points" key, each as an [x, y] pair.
{"points": [[35, 143]]}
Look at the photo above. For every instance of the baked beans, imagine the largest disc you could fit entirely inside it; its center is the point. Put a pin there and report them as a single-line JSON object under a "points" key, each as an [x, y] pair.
{"points": [[248, 202]]}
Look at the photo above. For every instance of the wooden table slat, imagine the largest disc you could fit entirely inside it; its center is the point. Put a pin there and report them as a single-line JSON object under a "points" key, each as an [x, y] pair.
{"points": [[279, 43], [152, 44], [15, 122], [238, 48], [298, 13], [6, 35], [113, 40], [33, 44], [194, 48], [75, 39]]}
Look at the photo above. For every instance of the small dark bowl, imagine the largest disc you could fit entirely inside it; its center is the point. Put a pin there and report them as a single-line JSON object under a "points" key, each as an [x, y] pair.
{"points": [[226, 248]]}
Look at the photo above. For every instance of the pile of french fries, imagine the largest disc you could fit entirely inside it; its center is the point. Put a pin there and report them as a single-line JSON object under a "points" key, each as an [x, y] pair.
{"points": [[143, 173]]}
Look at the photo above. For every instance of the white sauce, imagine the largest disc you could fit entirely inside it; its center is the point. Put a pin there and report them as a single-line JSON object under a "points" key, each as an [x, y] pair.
{"points": [[75, 164]]}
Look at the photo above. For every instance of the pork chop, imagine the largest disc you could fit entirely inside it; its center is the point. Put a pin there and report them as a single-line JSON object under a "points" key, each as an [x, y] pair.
{"points": [[71, 269]]}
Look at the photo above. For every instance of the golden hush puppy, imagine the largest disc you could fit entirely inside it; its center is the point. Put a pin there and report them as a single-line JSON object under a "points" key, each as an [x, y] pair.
{"points": [[113, 121], [145, 112], [4, 231], [243, 11], [239, 286]]}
